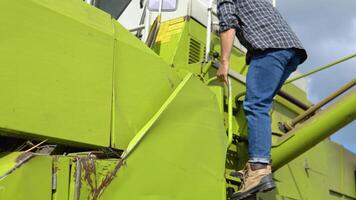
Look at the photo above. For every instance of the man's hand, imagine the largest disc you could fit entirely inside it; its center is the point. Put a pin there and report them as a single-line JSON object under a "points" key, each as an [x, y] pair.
{"points": [[223, 71]]}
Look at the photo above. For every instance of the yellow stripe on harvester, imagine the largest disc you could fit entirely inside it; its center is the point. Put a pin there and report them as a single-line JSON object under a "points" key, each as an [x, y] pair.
{"points": [[170, 28]]}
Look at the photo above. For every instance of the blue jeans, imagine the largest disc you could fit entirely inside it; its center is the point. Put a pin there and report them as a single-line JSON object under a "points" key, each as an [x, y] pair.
{"points": [[267, 72]]}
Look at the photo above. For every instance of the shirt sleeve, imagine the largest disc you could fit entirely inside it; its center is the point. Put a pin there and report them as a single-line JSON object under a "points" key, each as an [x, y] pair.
{"points": [[227, 15]]}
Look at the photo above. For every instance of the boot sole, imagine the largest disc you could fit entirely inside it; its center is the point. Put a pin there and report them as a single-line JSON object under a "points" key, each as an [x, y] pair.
{"points": [[264, 187]]}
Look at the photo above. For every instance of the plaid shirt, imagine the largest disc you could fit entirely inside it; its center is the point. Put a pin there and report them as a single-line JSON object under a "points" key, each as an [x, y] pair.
{"points": [[259, 26]]}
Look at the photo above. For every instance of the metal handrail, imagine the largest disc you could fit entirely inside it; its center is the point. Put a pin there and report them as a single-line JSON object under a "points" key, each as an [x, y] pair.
{"points": [[313, 109], [229, 109], [94, 3], [89, 2], [138, 28], [153, 33], [315, 130], [321, 68], [143, 19], [208, 30]]}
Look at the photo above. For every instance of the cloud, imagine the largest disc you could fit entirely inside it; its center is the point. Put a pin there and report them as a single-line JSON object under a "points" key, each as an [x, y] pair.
{"points": [[327, 28]]}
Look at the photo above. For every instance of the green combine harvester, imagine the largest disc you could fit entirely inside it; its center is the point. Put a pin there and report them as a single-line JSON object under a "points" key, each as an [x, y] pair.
{"points": [[93, 110]]}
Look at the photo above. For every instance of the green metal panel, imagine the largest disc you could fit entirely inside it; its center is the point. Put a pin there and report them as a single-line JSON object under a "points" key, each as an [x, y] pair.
{"points": [[8, 161], [143, 81], [161, 167], [313, 174], [349, 173], [291, 181], [72, 74], [56, 70], [32, 180], [61, 177], [341, 167]]}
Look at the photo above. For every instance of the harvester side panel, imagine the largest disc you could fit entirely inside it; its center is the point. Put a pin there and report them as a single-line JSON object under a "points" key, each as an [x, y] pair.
{"points": [[56, 71], [182, 156], [142, 82]]}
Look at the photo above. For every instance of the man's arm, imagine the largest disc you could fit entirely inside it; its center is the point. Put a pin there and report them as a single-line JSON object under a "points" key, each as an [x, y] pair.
{"points": [[227, 41], [228, 23]]}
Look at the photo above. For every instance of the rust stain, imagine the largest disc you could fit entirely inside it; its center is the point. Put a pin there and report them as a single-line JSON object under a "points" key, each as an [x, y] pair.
{"points": [[89, 167], [78, 179], [107, 180]]}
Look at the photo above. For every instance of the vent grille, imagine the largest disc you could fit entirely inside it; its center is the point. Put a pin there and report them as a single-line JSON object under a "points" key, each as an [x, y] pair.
{"points": [[194, 51]]}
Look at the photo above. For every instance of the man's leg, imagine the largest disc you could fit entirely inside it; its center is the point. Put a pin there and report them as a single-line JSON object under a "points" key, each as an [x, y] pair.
{"points": [[264, 79], [267, 73], [291, 67]]}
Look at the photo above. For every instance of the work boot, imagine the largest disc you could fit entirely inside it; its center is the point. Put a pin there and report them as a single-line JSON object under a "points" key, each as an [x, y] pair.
{"points": [[240, 174], [256, 178]]}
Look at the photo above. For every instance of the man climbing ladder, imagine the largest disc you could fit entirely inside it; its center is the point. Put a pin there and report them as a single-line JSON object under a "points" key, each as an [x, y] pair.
{"points": [[274, 52]]}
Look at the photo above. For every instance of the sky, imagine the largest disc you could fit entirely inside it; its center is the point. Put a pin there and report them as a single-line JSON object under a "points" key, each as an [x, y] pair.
{"points": [[327, 29]]}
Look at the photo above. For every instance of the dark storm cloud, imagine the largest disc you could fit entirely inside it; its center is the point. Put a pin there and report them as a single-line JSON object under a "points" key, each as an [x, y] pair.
{"points": [[327, 28]]}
